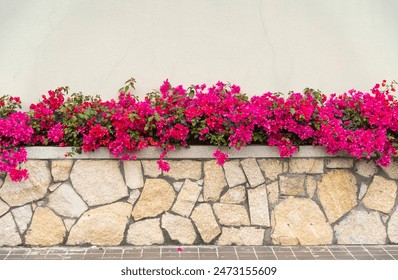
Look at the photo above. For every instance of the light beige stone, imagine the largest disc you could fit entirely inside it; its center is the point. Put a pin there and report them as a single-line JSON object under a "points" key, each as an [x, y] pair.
{"points": [[54, 186], [361, 227], [34, 188], [253, 172], [231, 214], [200, 199], [258, 206], [362, 190], [381, 195], [134, 195], [200, 182], [234, 173], [98, 181], [366, 168], [340, 163], [214, 181], [234, 196], [337, 192], [203, 217], [22, 216], [299, 221], [133, 174], [273, 192], [146, 232], [248, 236], [179, 228], [184, 169], [60, 169], [306, 165], [103, 226], [156, 197], [177, 186], [3, 207], [46, 229], [311, 185], [393, 227], [66, 202], [292, 184], [9, 235], [187, 198], [392, 169], [271, 168], [151, 168], [69, 223]]}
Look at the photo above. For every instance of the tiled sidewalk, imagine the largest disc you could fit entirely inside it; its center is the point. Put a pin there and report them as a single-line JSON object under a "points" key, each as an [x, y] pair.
{"points": [[385, 252]]}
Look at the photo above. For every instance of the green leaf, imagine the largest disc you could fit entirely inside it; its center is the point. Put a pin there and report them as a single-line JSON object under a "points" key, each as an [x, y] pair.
{"points": [[292, 111]]}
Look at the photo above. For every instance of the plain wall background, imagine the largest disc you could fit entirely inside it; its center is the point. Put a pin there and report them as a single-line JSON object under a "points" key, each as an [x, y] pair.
{"points": [[261, 45]]}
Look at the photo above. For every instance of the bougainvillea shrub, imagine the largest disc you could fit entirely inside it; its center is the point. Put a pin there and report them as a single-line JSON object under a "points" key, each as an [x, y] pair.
{"points": [[363, 124]]}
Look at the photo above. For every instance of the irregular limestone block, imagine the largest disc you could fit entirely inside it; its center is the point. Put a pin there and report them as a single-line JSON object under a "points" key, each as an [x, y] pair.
{"points": [[156, 197], [292, 184], [133, 174], [146, 232], [231, 214], [184, 169], [177, 186], [307, 165], [340, 163], [258, 206], [273, 192], [234, 196], [60, 169], [203, 217], [187, 198], [103, 226], [311, 185], [253, 172], [23, 216], [214, 181], [3, 207], [362, 190], [249, 236], [234, 174], [361, 227], [34, 188], [54, 186], [151, 168], [392, 169], [299, 221], [392, 227], [46, 229], [134, 195], [381, 195], [366, 168], [337, 192], [179, 228], [66, 202], [98, 181], [69, 223], [9, 235], [271, 168]]}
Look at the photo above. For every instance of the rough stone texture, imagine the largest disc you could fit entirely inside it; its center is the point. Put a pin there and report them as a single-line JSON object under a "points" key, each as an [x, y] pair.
{"points": [[69, 223], [9, 235], [299, 221], [253, 172], [307, 165], [151, 168], [392, 169], [134, 195], [393, 227], [103, 226], [249, 236], [234, 174], [258, 206], [179, 228], [46, 229], [184, 169], [187, 198], [203, 217], [200, 182], [177, 186], [66, 202], [292, 184], [362, 190], [22, 216], [271, 168], [366, 168], [54, 186], [273, 192], [311, 185], [60, 169], [361, 227], [214, 181], [98, 181], [231, 214], [340, 163], [3, 208], [337, 192], [156, 197], [234, 196], [381, 195], [133, 174], [146, 232], [34, 188]]}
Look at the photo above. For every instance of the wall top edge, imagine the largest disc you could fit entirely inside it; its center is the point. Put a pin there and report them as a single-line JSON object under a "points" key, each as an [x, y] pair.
{"points": [[193, 152]]}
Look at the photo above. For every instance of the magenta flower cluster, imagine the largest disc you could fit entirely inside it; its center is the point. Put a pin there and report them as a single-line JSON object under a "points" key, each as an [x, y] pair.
{"points": [[363, 124]]}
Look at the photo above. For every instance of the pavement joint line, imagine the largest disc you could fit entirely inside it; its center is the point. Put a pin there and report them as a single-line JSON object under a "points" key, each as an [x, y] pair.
{"points": [[236, 252], [255, 253], [388, 253], [273, 251], [350, 253], [294, 254]]}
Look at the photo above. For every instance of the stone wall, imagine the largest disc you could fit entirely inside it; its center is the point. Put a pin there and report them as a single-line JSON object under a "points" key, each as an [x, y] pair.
{"points": [[249, 201]]}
